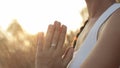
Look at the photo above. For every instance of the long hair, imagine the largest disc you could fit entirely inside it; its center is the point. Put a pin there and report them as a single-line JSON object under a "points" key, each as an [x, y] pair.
{"points": [[76, 37]]}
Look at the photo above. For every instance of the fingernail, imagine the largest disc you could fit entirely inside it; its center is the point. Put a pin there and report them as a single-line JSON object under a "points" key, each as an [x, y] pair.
{"points": [[64, 27], [57, 23], [50, 26]]}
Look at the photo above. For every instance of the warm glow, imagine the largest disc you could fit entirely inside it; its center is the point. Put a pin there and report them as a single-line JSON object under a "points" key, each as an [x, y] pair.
{"points": [[35, 15]]}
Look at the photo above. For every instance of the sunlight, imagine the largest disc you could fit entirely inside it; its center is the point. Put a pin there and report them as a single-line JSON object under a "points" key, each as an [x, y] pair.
{"points": [[36, 15]]}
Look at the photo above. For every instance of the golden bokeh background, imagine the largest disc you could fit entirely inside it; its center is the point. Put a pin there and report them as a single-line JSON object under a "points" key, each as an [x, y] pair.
{"points": [[18, 47]]}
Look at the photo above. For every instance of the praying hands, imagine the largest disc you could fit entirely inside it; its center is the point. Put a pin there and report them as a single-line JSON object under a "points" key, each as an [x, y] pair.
{"points": [[51, 52]]}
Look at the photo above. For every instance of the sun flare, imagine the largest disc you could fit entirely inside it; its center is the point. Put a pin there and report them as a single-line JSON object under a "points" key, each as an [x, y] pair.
{"points": [[35, 15]]}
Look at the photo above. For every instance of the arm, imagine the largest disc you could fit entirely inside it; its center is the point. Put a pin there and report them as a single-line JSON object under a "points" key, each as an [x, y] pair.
{"points": [[106, 53]]}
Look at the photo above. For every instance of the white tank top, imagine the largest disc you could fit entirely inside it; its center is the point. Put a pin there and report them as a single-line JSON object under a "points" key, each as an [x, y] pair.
{"points": [[88, 44]]}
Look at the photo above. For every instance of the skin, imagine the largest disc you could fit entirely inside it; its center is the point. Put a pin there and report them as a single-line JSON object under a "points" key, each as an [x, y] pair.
{"points": [[104, 55], [53, 56]]}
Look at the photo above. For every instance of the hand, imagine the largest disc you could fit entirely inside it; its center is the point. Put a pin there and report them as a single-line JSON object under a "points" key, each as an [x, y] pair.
{"points": [[51, 52]]}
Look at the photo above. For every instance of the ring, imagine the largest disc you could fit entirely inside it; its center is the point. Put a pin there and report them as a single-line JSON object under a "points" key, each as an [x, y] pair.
{"points": [[53, 45]]}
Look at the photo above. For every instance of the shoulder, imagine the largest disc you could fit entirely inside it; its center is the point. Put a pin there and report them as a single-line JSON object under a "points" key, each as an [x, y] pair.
{"points": [[109, 36], [112, 25], [110, 32], [106, 53], [114, 18]]}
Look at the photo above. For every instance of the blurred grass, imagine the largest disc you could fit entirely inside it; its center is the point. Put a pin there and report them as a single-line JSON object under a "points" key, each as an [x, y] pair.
{"points": [[18, 48]]}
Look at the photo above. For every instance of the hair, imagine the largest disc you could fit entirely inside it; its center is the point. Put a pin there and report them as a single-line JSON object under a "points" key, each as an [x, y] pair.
{"points": [[76, 37]]}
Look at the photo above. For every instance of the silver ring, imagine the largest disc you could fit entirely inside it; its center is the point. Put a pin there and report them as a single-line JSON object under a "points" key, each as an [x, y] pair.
{"points": [[53, 45]]}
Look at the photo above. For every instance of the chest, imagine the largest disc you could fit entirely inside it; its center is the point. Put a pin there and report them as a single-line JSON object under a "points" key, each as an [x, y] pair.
{"points": [[85, 32]]}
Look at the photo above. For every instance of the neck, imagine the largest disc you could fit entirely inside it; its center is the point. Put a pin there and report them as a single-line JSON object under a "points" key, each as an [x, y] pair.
{"points": [[97, 7]]}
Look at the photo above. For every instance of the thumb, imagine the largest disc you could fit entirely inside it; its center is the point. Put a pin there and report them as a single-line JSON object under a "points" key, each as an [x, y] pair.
{"points": [[68, 56]]}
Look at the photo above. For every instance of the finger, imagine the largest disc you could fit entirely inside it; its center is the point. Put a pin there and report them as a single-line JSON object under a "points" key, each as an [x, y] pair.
{"points": [[62, 37], [62, 51], [68, 56], [40, 41], [49, 37], [56, 34]]}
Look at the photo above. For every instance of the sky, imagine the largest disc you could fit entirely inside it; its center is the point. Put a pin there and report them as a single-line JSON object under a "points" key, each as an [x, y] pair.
{"points": [[35, 15]]}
